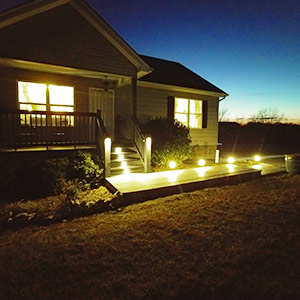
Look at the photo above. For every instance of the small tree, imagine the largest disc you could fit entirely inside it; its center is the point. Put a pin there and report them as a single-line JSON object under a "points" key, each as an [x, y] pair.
{"points": [[267, 115], [223, 113]]}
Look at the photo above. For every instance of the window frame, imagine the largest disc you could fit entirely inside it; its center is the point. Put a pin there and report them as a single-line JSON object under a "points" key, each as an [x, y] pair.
{"points": [[188, 113], [40, 120]]}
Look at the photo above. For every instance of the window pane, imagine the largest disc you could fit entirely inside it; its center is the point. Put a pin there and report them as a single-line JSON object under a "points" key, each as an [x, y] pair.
{"points": [[195, 121], [30, 92], [181, 105], [181, 118], [195, 107], [62, 95], [31, 107], [61, 108]]}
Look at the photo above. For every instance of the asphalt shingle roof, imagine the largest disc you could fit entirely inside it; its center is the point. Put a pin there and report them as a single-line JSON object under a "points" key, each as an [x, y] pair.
{"points": [[174, 73]]}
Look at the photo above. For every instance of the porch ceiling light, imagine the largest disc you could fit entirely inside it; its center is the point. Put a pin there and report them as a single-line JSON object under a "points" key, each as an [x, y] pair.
{"points": [[201, 162], [172, 164], [231, 160]]}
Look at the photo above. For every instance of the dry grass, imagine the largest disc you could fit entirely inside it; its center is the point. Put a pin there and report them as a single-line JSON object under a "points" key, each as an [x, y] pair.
{"points": [[232, 242]]}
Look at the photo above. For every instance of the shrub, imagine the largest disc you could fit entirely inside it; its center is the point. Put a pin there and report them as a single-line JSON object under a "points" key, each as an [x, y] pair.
{"points": [[31, 176], [171, 141]]}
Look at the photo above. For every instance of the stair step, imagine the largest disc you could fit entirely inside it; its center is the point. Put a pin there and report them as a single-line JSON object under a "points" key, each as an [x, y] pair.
{"points": [[129, 156]]}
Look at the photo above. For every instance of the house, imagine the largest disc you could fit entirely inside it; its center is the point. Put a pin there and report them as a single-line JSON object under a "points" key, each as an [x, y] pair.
{"points": [[69, 80]]}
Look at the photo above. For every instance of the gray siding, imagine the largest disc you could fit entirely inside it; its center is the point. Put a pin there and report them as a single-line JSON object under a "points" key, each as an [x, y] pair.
{"points": [[153, 103], [8, 86], [62, 37]]}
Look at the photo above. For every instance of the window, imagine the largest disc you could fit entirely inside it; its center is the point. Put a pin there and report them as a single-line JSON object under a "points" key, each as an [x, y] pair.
{"points": [[42, 97], [189, 112]]}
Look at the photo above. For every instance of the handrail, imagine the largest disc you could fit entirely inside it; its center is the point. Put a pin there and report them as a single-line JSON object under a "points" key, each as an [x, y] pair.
{"points": [[142, 144], [48, 113], [103, 142]]}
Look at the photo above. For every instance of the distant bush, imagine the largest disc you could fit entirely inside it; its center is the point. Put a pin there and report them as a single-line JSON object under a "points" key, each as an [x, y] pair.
{"points": [[170, 141], [30, 177]]}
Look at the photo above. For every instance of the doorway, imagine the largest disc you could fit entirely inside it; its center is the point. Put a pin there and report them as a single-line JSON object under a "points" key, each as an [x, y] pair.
{"points": [[103, 100]]}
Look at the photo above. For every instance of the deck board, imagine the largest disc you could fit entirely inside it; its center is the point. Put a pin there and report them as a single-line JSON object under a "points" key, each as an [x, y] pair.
{"points": [[141, 186]]}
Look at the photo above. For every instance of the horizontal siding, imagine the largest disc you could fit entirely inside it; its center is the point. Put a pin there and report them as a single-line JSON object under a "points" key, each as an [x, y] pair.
{"points": [[62, 37], [153, 103]]}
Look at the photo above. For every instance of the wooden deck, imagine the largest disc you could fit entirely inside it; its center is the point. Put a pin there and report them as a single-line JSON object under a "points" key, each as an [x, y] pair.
{"points": [[140, 186]]}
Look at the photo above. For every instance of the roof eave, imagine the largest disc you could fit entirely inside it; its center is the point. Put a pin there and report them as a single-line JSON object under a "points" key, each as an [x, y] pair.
{"points": [[161, 86]]}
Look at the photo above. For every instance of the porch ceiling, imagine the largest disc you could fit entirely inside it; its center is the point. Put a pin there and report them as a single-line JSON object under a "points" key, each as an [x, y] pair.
{"points": [[41, 67]]}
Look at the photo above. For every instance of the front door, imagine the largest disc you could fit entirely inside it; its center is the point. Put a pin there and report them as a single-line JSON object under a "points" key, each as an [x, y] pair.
{"points": [[103, 100]]}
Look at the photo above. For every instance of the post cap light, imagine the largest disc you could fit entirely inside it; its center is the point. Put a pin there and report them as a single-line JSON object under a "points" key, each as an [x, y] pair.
{"points": [[172, 164], [107, 143], [148, 143]]}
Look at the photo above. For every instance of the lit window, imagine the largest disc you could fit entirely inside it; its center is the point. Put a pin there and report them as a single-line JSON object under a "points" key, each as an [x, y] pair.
{"points": [[34, 97], [189, 112]]}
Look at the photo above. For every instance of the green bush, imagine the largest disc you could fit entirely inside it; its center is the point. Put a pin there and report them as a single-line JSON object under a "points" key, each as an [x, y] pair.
{"points": [[170, 141], [31, 176]]}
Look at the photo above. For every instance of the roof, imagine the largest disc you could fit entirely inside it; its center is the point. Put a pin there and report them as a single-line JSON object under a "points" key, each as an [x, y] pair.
{"points": [[34, 7], [175, 74]]}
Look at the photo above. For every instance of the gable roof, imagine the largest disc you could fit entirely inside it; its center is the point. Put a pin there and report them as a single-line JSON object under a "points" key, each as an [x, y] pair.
{"points": [[35, 7], [175, 74]]}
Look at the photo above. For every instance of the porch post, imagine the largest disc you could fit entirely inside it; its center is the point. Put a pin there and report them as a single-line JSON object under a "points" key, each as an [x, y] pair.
{"points": [[147, 151], [134, 96]]}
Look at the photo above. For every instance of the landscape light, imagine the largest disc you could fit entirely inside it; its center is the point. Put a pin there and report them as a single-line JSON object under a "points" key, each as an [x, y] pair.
{"points": [[201, 162], [172, 164], [121, 157], [257, 158], [118, 150], [231, 160], [126, 171]]}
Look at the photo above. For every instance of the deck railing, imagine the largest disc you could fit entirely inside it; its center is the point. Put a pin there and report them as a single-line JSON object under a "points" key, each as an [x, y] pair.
{"points": [[142, 144], [22, 128], [103, 142]]}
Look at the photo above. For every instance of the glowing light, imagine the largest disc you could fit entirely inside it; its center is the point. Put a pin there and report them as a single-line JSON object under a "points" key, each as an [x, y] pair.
{"points": [[118, 150], [148, 142], [201, 162], [257, 158], [107, 143], [126, 171], [230, 168], [217, 157], [201, 171], [172, 164], [123, 164], [120, 157], [257, 167], [231, 160], [172, 175]]}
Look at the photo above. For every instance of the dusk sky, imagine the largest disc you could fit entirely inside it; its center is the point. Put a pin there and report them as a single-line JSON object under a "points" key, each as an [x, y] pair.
{"points": [[250, 49]]}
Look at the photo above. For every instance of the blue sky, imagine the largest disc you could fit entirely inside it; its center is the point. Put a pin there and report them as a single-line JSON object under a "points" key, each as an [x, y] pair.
{"points": [[250, 49]]}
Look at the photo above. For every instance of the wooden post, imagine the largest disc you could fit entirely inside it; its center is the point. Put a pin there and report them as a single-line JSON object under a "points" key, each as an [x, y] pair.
{"points": [[147, 166], [107, 151]]}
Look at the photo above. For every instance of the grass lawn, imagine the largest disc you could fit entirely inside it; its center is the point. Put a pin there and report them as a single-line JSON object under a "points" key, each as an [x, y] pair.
{"points": [[231, 242]]}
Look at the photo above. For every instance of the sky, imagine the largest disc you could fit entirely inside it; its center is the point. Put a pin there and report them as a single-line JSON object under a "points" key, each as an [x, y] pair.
{"points": [[249, 49]]}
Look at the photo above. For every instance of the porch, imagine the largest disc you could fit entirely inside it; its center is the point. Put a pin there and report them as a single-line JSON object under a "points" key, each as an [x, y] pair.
{"points": [[24, 131], [139, 187]]}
